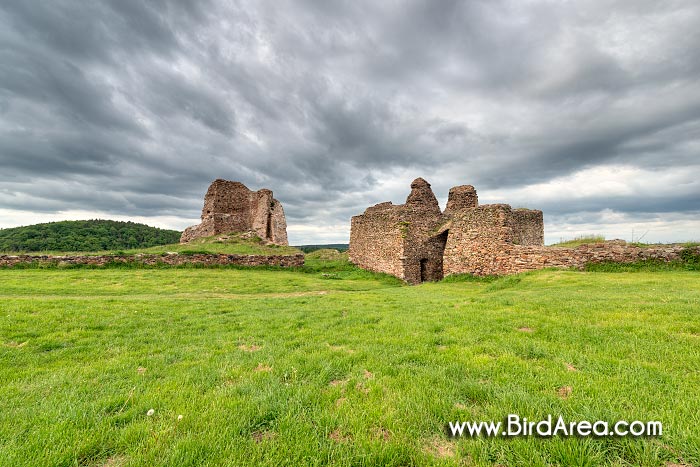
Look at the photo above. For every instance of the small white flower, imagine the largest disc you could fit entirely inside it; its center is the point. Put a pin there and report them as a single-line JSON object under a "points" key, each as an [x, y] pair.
{"points": [[179, 417], [150, 412]]}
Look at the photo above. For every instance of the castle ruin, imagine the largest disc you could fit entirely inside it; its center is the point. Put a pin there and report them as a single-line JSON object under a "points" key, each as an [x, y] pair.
{"points": [[418, 242], [231, 207]]}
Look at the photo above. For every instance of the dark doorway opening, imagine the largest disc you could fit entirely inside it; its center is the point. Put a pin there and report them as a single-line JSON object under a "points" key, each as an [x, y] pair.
{"points": [[268, 228], [430, 265], [424, 270]]}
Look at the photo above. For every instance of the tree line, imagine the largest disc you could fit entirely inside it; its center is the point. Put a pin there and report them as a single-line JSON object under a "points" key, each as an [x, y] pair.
{"points": [[88, 235]]}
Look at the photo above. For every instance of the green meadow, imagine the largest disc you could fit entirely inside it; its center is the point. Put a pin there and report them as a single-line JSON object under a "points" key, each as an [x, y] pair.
{"points": [[331, 365]]}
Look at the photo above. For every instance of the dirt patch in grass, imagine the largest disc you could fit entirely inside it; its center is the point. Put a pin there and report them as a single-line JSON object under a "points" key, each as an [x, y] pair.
{"points": [[564, 392], [570, 367], [338, 382], [249, 348], [340, 401], [368, 374], [338, 436], [114, 461], [340, 348], [525, 329], [381, 434], [141, 370], [263, 435], [440, 447], [262, 368], [15, 345]]}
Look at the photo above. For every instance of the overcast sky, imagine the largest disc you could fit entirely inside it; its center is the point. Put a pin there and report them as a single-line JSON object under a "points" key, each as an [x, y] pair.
{"points": [[588, 110]]}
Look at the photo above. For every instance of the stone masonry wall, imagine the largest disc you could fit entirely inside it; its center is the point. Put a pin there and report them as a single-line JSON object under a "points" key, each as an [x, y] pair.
{"points": [[528, 227], [423, 245], [377, 239], [477, 238], [172, 259], [461, 197]]}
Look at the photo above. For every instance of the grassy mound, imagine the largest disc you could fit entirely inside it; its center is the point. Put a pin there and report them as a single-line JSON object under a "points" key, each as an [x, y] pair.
{"points": [[234, 243], [331, 246], [581, 240], [327, 254]]}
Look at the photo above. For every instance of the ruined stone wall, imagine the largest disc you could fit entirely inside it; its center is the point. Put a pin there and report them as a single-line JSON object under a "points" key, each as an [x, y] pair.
{"points": [[512, 259], [460, 198], [229, 205], [528, 227], [173, 259], [232, 207], [423, 250], [277, 224], [377, 239], [416, 242], [477, 238], [484, 241], [616, 251], [423, 246], [430, 244], [401, 240], [424, 258]]}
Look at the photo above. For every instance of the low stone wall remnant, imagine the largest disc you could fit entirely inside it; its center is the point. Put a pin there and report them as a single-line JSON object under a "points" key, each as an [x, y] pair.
{"points": [[503, 258], [171, 259]]}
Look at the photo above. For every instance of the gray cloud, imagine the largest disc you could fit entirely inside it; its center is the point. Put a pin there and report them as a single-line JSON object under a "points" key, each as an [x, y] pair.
{"points": [[132, 108]]}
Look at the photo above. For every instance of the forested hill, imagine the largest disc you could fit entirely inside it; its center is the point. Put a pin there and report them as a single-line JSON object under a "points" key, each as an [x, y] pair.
{"points": [[90, 235]]}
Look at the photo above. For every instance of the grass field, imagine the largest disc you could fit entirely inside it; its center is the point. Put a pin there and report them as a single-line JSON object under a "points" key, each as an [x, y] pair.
{"points": [[331, 365]]}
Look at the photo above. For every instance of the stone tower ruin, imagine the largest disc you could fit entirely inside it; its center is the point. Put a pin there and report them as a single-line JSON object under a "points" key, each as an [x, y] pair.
{"points": [[417, 242], [231, 207]]}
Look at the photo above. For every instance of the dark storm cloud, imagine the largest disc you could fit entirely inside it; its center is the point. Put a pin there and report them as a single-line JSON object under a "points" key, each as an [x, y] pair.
{"points": [[685, 202], [129, 107], [565, 147]]}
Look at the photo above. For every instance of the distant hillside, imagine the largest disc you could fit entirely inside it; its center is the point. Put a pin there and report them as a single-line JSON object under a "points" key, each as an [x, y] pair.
{"points": [[91, 235], [332, 246]]}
